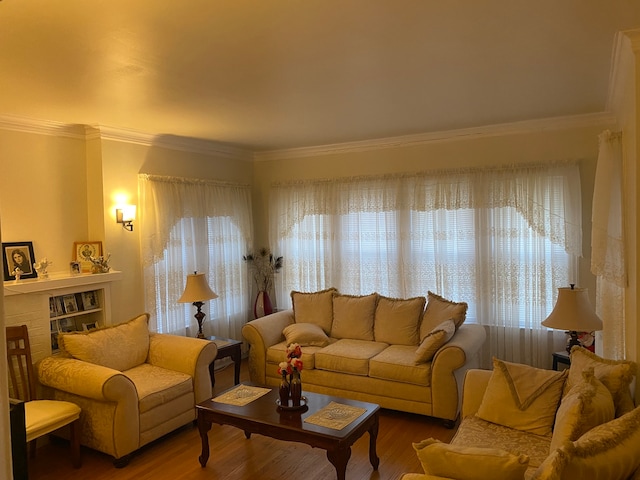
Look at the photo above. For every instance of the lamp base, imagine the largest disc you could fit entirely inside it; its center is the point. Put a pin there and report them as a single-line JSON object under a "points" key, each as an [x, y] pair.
{"points": [[199, 318], [573, 340]]}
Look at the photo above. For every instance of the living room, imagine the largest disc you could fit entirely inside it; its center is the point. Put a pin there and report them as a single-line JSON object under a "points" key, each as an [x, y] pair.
{"points": [[63, 178]]}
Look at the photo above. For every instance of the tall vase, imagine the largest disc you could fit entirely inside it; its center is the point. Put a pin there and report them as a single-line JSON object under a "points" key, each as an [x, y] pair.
{"points": [[295, 387], [263, 305], [284, 391]]}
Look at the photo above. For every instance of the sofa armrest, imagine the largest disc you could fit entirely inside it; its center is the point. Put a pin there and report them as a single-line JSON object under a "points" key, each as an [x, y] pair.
{"points": [[448, 369], [262, 333], [475, 384], [86, 379], [187, 355]]}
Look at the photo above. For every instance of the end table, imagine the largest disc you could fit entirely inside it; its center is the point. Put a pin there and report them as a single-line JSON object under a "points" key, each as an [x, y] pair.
{"points": [[560, 357], [227, 347]]}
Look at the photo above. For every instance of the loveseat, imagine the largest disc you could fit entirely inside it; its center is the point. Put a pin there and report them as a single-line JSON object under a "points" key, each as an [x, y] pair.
{"points": [[393, 352], [133, 386], [522, 422]]}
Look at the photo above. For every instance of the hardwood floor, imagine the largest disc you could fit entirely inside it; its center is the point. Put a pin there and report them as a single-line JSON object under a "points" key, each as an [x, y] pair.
{"points": [[233, 457]]}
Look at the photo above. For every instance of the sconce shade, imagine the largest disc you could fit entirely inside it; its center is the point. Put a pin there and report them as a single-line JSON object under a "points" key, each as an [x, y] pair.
{"points": [[126, 215], [197, 289], [573, 312]]}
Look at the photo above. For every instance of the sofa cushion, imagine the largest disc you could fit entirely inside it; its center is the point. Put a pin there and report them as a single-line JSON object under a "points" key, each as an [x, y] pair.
{"points": [[469, 463], [120, 347], [440, 309], [397, 363], [305, 334], [587, 405], [348, 356], [353, 316], [616, 375], [157, 385], [528, 397], [397, 320], [314, 307], [606, 452], [435, 339], [475, 432]]}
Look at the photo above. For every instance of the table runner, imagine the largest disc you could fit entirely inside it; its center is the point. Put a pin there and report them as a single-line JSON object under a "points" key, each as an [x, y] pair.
{"points": [[335, 416]]}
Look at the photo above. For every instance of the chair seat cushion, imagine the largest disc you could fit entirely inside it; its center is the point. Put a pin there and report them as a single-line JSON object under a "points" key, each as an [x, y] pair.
{"points": [[46, 416], [156, 385]]}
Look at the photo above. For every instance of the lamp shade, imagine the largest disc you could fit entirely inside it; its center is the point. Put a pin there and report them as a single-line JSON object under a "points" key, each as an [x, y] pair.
{"points": [[197, 289], [573, 312]]}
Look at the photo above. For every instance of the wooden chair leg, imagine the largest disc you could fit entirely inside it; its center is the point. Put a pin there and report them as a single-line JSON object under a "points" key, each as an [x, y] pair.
{"points": [[32, 448], [74, 440]]}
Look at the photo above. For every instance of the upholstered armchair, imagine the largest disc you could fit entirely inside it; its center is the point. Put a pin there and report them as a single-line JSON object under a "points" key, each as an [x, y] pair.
{"points": [[133, 386]]}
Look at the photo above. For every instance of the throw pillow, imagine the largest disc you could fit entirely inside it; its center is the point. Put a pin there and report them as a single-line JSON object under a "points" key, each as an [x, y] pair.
{"points": [[607, 452], [397, 320], [314, 307], [522, 397], [469, 463], [440, 309], [436, 338], [305, 335], [616, 375], [587, 405], [353, 316], [120, 347]]}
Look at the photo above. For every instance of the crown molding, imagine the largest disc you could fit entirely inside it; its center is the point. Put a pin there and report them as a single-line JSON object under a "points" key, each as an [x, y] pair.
{"points": [[527, 126], [16, 123]]}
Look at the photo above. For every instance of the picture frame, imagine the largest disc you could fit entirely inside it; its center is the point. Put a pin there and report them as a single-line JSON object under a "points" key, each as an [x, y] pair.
{"points": [[90, 300], [75, 268], [82, 251], [59, 306], [53, 311], [67, 325], [89, 326], [70, 304], [18, 254]]}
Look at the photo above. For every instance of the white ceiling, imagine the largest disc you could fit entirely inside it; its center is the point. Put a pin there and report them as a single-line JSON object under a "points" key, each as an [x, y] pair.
{"points": [[274, 74]]}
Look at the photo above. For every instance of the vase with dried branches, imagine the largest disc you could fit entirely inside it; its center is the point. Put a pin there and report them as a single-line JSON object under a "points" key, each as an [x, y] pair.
{"points": [[263, 266]]}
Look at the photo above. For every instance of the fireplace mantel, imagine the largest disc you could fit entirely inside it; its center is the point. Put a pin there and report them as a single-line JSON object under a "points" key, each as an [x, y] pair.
{"points": [[58, 281]]}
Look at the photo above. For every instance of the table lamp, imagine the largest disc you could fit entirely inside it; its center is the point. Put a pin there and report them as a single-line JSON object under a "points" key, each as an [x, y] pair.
{"points": [[196, 292], [573, 312]]}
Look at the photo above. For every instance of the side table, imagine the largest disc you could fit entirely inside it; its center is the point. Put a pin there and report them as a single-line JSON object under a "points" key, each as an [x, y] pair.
{"points": [[560, 357], [227, 347]]}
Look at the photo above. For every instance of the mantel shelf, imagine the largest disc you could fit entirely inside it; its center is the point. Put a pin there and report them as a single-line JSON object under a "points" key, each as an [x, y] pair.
{"points": [[57, 281]]}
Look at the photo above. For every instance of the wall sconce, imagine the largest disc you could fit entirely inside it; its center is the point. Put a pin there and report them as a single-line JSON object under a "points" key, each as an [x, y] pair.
{"points": [[126, 215]]}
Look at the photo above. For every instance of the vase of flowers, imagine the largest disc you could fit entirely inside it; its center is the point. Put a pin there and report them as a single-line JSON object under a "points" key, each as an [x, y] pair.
{"points": [[284, 369], [294, 355], [263, 265]]}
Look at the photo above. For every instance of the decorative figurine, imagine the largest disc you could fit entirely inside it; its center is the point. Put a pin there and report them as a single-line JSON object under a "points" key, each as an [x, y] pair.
{"points": [[41, 267], [100, 264]]}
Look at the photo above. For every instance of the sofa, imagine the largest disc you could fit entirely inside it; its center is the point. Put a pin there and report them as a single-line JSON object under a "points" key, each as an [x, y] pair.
{"points": [[523, 422], [403, 354], [133, 386]]}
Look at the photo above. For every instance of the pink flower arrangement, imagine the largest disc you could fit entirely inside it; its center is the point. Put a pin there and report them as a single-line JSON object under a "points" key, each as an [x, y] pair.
{"points": [[294, 362]]}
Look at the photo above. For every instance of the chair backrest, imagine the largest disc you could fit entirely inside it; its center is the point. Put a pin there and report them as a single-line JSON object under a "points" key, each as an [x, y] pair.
{"points": [[22, 384]]}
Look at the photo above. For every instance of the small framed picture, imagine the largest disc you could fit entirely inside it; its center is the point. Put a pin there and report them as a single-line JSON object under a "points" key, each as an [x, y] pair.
{"points": [[89, 326], [90, 300], [59, 306], [75, 268], [83, 251], [18, 255], [70, 304], [53, 312], [67, 325]]}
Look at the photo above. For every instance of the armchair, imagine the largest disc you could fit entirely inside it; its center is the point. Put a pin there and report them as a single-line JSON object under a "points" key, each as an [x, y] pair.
{"points": [[133, 386]]}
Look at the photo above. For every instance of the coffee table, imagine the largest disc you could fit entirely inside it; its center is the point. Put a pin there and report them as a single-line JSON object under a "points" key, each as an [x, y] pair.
{"points": [[264, 417]]}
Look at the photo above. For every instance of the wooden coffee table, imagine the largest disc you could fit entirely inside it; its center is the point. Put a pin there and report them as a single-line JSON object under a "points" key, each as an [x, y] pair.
{"points": [[264, 417]]}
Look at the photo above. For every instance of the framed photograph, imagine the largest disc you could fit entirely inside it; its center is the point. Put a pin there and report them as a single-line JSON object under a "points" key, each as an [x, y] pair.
{"points": [[83, 251], [90, 300], [70, 304], [18, 255], [53, 312], [75, 268], [67, 325], [89, 326], [59, 305]]}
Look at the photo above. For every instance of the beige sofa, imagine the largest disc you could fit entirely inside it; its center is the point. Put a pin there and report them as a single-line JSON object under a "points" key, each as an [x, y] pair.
{"points": [[521, 422], [372, 348], [133, 386]]}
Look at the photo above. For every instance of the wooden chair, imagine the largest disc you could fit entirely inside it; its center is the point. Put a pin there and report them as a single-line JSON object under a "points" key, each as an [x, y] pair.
{"points": [[41, 416]]}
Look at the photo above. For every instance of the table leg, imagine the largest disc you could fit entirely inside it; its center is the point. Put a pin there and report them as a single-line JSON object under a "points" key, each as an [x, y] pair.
{"points": [[373, 436], [339, 459], [236, 356], [203, 427]]}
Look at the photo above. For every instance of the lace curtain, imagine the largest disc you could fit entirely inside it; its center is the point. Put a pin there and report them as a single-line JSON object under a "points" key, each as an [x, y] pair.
{"points": [[192, 225], [608, 248], [501, 239]]}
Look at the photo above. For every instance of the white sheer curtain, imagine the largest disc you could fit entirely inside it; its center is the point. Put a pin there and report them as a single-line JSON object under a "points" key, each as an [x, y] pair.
{"points": [[607, 244], [502, 239], [192, 225]]}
